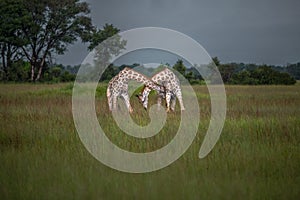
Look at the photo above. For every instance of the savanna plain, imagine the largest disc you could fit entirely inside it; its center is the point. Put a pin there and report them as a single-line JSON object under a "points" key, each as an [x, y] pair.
{"points": [[256, 157]]}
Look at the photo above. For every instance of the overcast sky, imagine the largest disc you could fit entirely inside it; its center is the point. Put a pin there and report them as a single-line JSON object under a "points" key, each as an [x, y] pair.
{"points": [[256, 31]]}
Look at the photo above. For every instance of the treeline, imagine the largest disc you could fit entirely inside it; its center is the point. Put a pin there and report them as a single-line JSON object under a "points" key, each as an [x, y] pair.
{"points": [[245, 74], [232, 73], [19, 72], [261, 75], [253, 74]]}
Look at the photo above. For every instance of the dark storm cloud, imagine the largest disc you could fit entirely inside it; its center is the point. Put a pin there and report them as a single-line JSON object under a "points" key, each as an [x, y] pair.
{"points": [[257, 31]]}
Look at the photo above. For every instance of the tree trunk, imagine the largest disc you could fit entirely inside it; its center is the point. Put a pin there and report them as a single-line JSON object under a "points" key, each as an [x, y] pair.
{"points": [[41, 65], [4, 62], [39, 74], [8, 59], [32, 72]]}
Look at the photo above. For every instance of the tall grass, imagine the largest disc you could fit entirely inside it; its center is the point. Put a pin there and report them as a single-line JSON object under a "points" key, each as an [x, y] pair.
{"points": [[257, 156]]}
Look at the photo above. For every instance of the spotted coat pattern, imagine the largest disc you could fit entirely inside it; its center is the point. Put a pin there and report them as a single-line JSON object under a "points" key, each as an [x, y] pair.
{"points": [[118, 87], [171, 83]]}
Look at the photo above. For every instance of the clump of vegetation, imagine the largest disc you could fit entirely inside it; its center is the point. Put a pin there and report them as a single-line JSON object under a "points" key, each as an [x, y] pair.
{"points": [[57, 74], [252, 74], [263, 75]]}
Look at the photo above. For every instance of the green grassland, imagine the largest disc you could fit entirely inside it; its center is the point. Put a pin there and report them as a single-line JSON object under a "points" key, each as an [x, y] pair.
{"points": [[257, 156]]}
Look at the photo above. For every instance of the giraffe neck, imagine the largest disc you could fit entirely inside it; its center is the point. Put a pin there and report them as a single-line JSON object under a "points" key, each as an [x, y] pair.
{"points": [[134, 75]]}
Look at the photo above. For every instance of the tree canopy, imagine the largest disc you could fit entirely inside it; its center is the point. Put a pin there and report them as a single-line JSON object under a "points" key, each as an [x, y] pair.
{"points": [[35, 30]]}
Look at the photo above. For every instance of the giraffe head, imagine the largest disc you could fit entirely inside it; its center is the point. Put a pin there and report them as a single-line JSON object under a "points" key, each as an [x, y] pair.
{"points": [[144, 95]]}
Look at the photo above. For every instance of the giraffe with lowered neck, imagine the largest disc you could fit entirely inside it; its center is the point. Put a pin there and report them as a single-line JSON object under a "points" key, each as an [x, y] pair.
{"points": [[169, 80], [118, 87]]}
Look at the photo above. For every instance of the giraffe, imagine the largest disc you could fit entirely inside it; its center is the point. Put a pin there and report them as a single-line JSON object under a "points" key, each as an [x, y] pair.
{"points": [[118, 86], [171, 83]]}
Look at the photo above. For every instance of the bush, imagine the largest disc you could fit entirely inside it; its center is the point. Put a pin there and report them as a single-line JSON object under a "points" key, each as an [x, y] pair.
{"points": [[57, 74], [67, 77], [18, 72], [263, 75]]}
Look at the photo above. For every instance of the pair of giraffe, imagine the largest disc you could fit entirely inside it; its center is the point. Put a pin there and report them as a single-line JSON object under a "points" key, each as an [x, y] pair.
{"points": [[164, 82]]}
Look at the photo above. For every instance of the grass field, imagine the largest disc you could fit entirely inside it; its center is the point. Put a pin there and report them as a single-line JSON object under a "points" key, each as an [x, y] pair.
{"points": [[257, 156]]}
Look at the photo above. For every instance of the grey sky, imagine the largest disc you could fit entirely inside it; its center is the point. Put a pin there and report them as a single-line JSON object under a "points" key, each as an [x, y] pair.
{"points": [[257, 31]]}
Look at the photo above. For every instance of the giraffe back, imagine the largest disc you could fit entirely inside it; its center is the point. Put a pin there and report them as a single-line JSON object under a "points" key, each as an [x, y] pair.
{"points": [[168, 79], [118, 85]]}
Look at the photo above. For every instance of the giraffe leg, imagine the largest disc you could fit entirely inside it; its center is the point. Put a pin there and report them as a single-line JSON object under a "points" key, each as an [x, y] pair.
{"points": [[127, 102], [109, 98], [173, 103], [179, 96], [159, 99], [114, 103], [168, 99]]}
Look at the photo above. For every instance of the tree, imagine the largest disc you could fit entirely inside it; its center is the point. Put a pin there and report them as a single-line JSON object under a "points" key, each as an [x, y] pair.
{"points": [[211, 72], [216, 61], [10, 43], [35, 30], [294, 70], [101, 35], [109, 73], [179, 66], [243, 78], [18, 71], [106, 44], [44, 27], [226, 71], [191, 74]]}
